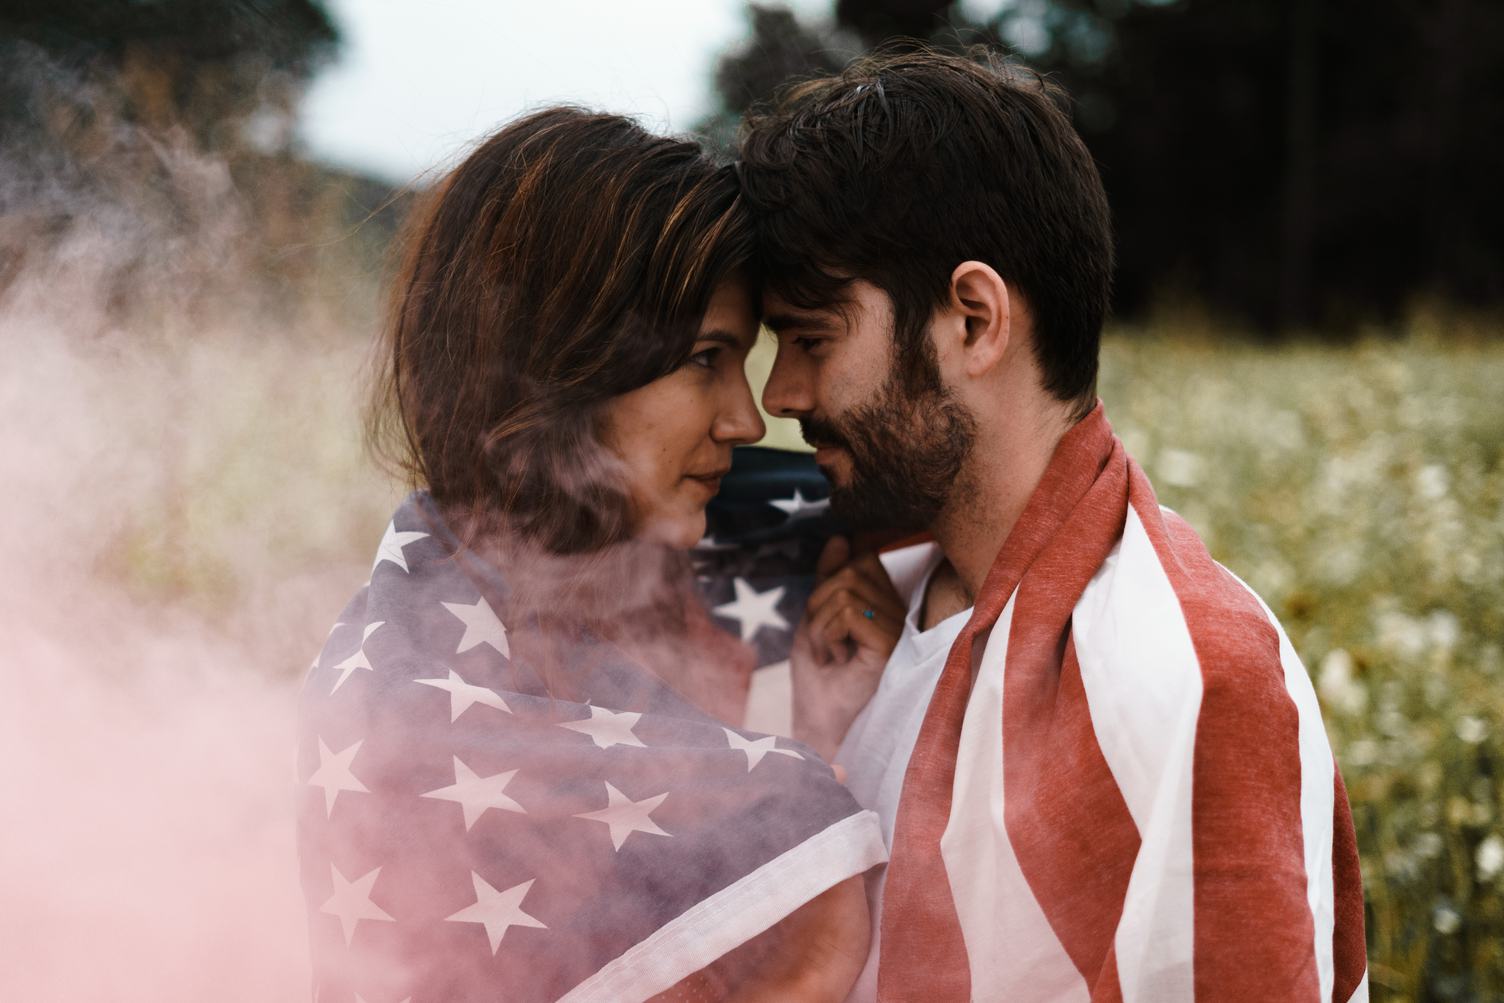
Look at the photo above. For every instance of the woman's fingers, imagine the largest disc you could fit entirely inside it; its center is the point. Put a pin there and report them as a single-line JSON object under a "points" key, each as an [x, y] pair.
{"points": [[849, 585], [864, 574], [842, 620]]}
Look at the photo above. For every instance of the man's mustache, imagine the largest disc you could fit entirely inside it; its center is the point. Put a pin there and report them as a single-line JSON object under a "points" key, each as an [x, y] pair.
{"points": [[818, 432]]}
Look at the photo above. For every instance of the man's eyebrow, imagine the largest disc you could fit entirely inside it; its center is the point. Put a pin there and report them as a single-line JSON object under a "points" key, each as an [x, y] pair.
{"points": [[790, 321]]}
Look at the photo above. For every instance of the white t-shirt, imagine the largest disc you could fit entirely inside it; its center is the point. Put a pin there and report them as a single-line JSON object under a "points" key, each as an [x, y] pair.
{"points": [[876, 750]]}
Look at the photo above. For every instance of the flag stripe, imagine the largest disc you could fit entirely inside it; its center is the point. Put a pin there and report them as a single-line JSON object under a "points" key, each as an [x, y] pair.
{"points": [[717, 925], [1143, 687], [1349, 945], [1247, 843]]}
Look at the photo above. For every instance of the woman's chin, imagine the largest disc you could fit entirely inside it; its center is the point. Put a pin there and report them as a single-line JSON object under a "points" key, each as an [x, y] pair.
{"points": [[680, 531]]}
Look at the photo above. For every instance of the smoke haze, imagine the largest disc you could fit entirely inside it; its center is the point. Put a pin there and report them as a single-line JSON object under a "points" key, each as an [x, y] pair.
{"points": [[184, 494]]}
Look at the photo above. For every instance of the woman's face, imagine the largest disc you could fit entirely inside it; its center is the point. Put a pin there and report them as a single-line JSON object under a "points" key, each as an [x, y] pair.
{"points": [[674, 435]]}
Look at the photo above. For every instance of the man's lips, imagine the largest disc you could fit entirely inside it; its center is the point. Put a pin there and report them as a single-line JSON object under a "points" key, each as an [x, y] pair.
{"points": [[825, 453]]}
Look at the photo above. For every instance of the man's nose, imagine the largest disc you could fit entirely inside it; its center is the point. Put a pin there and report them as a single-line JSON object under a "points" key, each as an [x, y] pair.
{"points": [[789, 392]]}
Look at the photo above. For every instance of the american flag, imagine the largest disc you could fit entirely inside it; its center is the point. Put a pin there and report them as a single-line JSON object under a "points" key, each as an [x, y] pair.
{"points": [[466, 833]]}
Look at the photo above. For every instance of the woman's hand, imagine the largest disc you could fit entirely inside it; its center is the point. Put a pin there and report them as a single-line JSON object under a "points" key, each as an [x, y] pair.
{"points": [[851, 624], [813, 955]]}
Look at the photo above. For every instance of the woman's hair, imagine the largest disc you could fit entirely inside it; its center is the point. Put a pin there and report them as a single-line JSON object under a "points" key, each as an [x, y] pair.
{"points": [[568, 260]]}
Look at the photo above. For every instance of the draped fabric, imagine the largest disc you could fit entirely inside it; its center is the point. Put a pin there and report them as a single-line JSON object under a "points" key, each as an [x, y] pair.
{"points": [[1121, 788], [492, 810]]}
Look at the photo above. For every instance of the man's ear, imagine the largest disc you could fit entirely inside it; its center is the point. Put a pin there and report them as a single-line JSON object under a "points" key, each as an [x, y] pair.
{"points": [[980, 296]]}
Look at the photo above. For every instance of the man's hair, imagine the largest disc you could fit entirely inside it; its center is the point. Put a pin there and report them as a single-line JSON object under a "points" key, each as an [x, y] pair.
{"points": [[569, 259], [910, 162]]}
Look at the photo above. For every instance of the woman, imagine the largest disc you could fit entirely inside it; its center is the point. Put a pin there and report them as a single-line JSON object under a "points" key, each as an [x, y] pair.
{"points": [[516, 786]]}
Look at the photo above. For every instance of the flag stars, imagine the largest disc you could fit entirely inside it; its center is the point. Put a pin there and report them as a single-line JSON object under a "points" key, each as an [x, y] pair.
{"points": [[482, 626], [474, 794], [607, 728], [497, 911], [624, 816], [756, 749], [463, 695], [358, 660], [351, 902], [391, 546], [800, 507], [753, 609], [334, 775]]}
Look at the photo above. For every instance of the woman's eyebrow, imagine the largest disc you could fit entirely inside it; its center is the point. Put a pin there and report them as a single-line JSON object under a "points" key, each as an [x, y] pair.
{"points": [[723, 337]]}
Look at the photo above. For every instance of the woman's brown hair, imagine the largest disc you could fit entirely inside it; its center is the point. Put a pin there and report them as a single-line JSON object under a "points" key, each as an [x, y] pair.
{"points": [[568, 260]]}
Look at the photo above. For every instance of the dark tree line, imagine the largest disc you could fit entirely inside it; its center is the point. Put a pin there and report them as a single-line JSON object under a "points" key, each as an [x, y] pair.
{"points": [[163, 132], [1286, 162]]}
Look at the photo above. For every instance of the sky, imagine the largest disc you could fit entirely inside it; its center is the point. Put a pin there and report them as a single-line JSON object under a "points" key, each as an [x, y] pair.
{"points": [[416, 83]]}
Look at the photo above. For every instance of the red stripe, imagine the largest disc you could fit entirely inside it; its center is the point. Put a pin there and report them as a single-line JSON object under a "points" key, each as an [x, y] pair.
{"points": [[1349, 948], [1254, 934], [1066, 819], [923, 951]]}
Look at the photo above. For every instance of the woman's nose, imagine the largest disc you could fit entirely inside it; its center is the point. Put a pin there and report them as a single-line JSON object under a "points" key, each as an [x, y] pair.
{"points": [[739, 423]]}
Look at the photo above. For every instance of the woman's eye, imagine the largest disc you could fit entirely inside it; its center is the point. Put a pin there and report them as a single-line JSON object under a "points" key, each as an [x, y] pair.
{"points": [[705, 359]]}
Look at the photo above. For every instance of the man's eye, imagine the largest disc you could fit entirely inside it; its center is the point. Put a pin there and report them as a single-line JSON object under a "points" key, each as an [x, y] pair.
{"points": [[807, 344]]}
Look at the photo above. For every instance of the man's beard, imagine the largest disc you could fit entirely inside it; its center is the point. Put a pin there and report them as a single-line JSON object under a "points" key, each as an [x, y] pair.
{"points": [[906, 451]]}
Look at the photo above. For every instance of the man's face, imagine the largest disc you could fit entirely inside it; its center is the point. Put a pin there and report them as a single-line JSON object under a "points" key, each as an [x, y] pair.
{"points": [[893, 449]]}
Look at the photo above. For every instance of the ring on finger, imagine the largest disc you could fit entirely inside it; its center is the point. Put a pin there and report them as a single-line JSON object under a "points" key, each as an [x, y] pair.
{"points": [[869, 613]]}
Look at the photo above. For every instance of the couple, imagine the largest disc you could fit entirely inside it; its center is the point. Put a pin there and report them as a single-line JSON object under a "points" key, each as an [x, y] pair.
{"points": [[1079, 759]]}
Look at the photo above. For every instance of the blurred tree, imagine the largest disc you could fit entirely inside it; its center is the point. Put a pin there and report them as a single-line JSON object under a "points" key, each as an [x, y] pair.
{"points": [[159, 135], [1285, 162], [229, 71], [778, 49]]}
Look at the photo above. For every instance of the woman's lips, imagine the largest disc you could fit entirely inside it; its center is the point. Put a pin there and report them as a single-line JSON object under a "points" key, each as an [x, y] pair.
{"points": [[711, 481]]}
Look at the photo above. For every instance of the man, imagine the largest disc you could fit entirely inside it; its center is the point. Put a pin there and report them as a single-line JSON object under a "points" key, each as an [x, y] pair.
{"points": [[1100, 765]]}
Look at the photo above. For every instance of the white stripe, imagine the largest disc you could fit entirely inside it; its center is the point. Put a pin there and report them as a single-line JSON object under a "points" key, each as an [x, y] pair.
{"points": [[1011, 948], [770, 700], [1143, 689], [1317, 800], [715, 926], [1360, 994]]}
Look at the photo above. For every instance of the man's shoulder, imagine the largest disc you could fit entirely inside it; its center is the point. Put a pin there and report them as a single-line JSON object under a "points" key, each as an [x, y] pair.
{"points": [[1162, 605]]}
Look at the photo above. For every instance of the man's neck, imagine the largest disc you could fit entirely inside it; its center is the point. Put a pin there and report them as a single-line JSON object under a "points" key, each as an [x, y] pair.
{"points": [[991, 495]]}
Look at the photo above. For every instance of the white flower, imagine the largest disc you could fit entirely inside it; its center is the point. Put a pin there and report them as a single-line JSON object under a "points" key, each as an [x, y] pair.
{"points": [[1444, 629], [1446, 919], [1471, 730], [1490, 857], [1337, 684], [1431, 481], [1180, 468], [1428, 845], [1401, 634]]}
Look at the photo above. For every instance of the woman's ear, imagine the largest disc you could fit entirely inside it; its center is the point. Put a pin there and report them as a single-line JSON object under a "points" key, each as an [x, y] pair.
{"points": [[980, 296]]}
